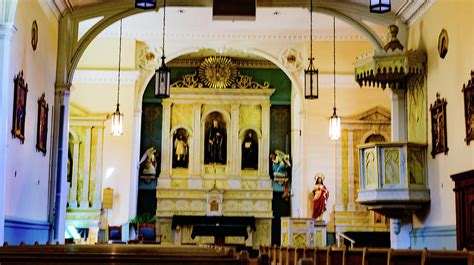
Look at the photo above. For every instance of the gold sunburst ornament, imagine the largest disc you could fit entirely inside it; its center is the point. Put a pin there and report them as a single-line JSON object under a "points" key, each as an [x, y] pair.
{"points": [[217, 72]]}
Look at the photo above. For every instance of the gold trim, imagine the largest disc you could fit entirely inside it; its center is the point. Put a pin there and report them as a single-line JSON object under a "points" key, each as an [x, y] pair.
{"points": [[217, 72]]}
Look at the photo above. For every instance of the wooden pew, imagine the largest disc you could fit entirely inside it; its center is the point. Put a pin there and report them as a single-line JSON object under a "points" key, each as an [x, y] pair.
{"points": [[449, 258], [116, 254], [366, 256]]}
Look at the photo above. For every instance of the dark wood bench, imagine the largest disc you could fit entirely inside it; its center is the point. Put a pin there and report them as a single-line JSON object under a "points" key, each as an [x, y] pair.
{"points": [[365, 256], [115, 254]]}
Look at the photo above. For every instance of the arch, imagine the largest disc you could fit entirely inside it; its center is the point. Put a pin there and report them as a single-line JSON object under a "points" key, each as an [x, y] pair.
{"points": [[372, 132], [228, 144], [190, 146], [245, 129], [113, 12]]}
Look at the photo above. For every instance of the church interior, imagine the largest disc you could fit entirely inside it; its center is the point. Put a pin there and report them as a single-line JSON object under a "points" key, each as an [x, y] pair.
{"points": [[298, 124]]}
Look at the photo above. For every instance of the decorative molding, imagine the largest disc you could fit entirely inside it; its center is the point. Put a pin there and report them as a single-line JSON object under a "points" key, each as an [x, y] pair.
{"points": [[105, 77], [20, 223], [295, 36], [240, 63], [414, 9]]}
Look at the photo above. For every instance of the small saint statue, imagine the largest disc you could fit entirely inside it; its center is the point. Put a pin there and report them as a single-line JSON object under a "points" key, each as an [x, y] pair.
{"points": [[216, 143], [249, 152], [180, 151], [320, 196], [149, 163]]}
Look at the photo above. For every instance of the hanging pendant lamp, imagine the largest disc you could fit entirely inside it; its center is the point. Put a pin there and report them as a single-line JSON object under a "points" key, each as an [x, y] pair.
{"points": [[145, 4], [334, 121], [380, 6], [311, 73], [117, 117], [163, 74]]}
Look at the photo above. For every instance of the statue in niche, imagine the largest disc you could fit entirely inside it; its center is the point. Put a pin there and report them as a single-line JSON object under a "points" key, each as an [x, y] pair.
{"points": [[250, 151], [216, 142], [148, 164], [180, 149], [320, 196]]}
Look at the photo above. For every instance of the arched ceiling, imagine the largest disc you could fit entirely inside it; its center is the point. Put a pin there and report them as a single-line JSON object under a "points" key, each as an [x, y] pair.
{"points": [[405, 10]]}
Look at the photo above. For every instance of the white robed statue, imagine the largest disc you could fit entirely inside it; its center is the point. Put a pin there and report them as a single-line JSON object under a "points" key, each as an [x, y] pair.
{"points": [[149, 162]]}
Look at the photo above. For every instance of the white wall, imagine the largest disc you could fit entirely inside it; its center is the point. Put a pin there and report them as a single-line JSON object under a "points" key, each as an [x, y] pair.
{"points": [[101, 98], [446, 76], [27, 171], [319, 151]]}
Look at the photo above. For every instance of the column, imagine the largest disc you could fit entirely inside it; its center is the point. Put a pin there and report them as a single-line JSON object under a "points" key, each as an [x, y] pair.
{"points": [[165, 140], [6, 32], [196, 143], [59, 191], [84, 204], [96, 201], [75, 168], [264, 156], [137, 125], [235, 163], [399, 228], [399, 115]]}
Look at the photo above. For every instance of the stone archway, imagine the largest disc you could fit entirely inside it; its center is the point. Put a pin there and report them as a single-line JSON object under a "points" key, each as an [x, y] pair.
{"points": [[71, 48]]}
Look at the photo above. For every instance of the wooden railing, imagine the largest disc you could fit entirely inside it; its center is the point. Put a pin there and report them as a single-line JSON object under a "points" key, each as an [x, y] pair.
{"points": [[362, 256], [118, 254]]}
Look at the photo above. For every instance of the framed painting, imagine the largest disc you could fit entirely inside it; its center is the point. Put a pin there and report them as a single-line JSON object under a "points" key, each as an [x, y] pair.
{"points": [[42, 129], [19, 107], [468, 91], [439, 138]]}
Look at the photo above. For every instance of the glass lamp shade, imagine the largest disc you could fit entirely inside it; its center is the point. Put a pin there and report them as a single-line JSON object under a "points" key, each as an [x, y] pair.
{"points": [[380, 6], [334, 126], [162, 82], [311, 81], [145, 4], [117, 122]]}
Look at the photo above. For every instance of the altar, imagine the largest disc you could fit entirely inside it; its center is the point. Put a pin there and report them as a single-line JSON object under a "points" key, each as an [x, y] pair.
{"points": [[215, 153]]}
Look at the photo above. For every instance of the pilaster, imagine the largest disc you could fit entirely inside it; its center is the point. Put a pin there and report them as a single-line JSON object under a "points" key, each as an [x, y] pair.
{"points": [[165, 140], [351, 173], [137, 125], [264, 156], [96, 202], [196, 148], [84, 204], [236, 163]]}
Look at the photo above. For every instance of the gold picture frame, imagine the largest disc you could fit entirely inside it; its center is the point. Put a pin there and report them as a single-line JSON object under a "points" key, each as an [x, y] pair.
{"points": [[42, 129], [439, 137], [20, 92]]}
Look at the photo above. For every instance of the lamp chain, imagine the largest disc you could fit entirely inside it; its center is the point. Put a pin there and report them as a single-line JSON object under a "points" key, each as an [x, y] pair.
{"points": [[334, 50], [164, 21], [311, 31], [119, 62]]}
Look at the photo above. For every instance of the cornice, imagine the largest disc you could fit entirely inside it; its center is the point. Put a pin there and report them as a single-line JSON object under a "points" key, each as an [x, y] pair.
{"points": [[254, 64], [104, 77], [413, 10], [208, 36]]}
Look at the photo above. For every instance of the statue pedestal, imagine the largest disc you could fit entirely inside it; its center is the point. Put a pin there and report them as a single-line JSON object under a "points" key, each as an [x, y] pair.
{"points": [[302, 232]]}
